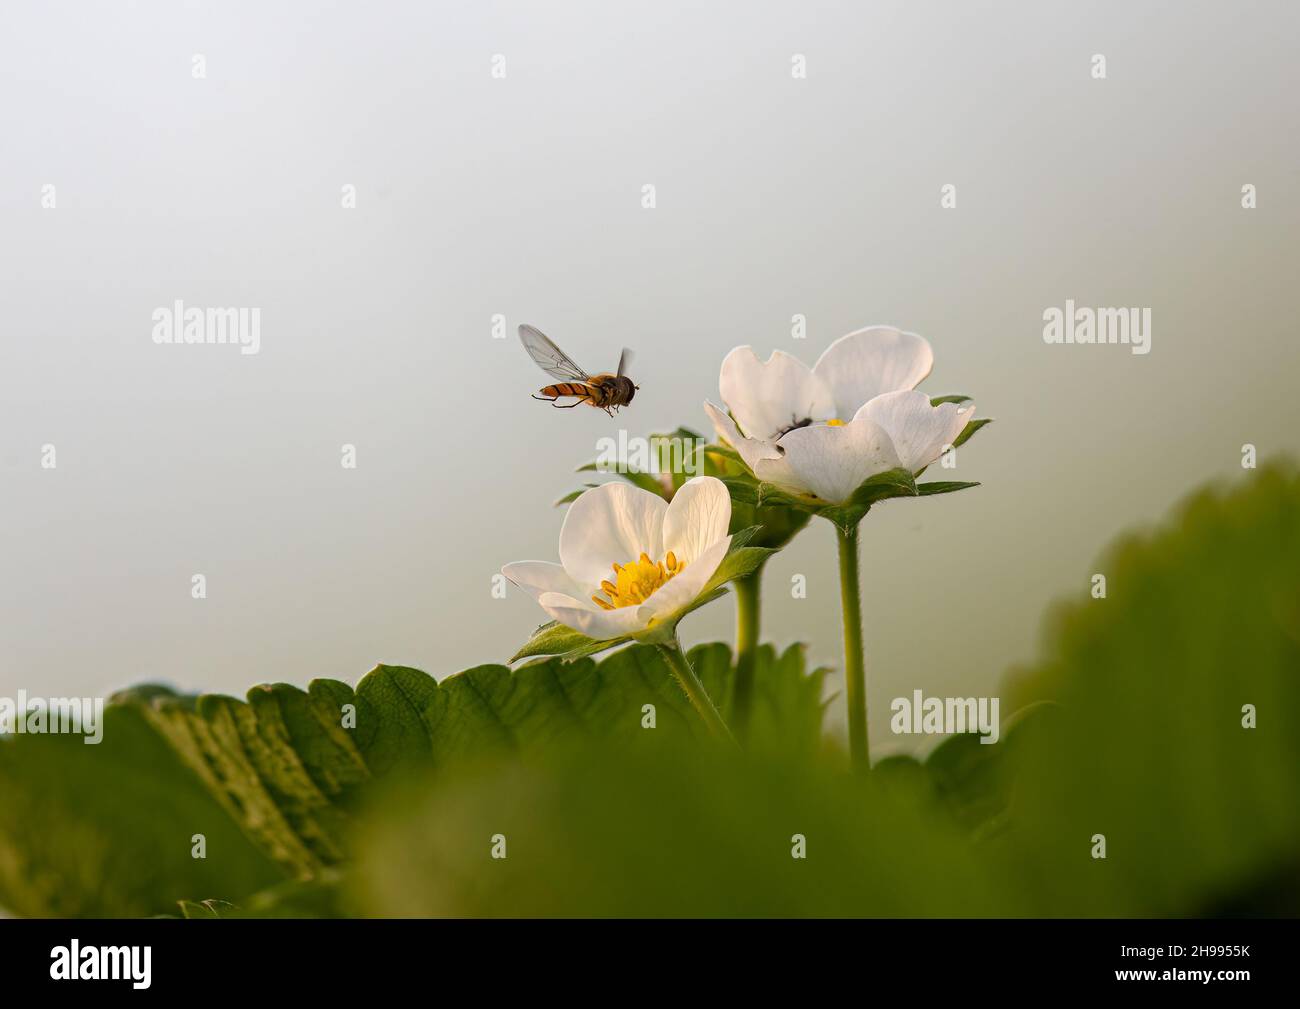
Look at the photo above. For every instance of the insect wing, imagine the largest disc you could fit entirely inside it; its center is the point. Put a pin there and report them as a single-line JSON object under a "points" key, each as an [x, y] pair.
{"points": [[550, 358], [624, 359]]}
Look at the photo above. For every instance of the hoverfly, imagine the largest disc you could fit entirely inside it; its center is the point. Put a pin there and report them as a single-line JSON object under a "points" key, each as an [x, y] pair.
{"points": [[605, 392]]}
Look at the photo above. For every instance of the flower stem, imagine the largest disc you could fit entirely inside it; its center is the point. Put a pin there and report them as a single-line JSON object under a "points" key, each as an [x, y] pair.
{"points": [[672, 653], [855, 677], [748, 593]]}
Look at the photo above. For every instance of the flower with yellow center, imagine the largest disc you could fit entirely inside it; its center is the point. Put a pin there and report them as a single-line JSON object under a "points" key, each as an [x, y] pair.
{"points": [[636, 582], [629, 560]]}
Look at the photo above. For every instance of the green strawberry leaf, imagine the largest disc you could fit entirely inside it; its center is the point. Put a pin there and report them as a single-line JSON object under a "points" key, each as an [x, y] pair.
{"points": [[274, 784], [1158, 686], [669, 834]]}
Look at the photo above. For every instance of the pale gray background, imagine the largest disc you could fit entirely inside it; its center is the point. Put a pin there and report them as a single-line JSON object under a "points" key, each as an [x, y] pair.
{"points": [[522, 197]]}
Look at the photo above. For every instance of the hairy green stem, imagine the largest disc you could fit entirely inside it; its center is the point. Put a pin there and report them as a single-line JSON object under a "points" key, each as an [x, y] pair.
{"points": [[748, 592], [699, 698], [855, 676]]}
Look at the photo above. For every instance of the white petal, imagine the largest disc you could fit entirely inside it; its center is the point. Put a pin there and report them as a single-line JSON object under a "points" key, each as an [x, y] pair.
{"points": [[920, 432], [690, 583], [536, 577], [763, 457], [832, 461], [767, 397], [609, 524], [697, 517], [870, 361], [589, 619], [780, 473], [751, 450]]}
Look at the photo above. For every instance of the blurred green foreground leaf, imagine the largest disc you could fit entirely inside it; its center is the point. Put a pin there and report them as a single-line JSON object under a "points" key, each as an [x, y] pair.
{"points": [[273, 783], [1133, 728]]}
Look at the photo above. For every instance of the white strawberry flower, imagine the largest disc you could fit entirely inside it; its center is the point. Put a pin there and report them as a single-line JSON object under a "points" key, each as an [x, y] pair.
{"points": [[821, 432], [833, 440], [631, 566], [630, 560]]}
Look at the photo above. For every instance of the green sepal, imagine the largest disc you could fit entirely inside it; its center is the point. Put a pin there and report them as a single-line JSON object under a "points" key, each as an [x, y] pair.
{"points": [[881, 487], [890, 484], [970, 429], [638, 478], [573, 495], [555, 638], [943, 487]]}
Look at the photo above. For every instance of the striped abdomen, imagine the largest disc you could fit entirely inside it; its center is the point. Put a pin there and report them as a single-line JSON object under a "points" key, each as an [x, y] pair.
{"points": [[578, 389]]}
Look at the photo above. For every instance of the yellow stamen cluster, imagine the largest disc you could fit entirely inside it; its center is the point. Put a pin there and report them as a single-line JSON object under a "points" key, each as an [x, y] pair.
{"points": [[637, 581], [835, 422]]}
